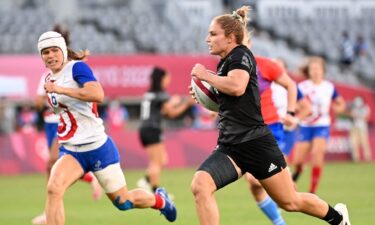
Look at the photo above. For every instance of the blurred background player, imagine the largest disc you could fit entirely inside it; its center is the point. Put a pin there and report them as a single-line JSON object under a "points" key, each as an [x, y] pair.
{"points": [[157, 104], [359, 112], [51, 122], [73, 92], [315, 129], [303, 109]]}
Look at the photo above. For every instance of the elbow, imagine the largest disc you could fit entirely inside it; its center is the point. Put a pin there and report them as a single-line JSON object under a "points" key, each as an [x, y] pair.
{"points": [[238, 92], [100, 98]]}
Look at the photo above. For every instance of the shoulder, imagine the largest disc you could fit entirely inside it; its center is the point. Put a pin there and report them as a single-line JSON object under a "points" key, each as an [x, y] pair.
{"points": [[241, 55], [79, 65], [328, 84]]}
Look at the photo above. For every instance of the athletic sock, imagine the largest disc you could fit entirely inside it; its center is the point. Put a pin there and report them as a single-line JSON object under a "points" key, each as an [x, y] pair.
{"points": [[269, 207], [154, 188], [315, 178], [297, 172], [333, 217], [87, 177], [159, 202]]}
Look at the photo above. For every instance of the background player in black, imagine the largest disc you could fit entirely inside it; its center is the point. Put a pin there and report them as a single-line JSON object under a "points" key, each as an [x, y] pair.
{"points": [[245, 143], [155, 105]]}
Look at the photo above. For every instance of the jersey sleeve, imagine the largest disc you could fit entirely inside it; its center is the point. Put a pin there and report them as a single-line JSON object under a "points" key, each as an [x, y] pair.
{"points": [[240, 61], [164, 97], [82, 73], [299, 94], [269, 69], [335, 93]]}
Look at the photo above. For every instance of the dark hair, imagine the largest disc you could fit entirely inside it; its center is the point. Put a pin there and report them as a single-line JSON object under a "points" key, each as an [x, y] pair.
{"points": [[235, 23], [64, 32], [78, 55], [157, 76]]}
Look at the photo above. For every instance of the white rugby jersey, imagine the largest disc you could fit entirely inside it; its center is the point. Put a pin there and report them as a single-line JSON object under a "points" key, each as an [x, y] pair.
{"points": [[79, 120], [279, 98], [48, 115], [320, 97]]}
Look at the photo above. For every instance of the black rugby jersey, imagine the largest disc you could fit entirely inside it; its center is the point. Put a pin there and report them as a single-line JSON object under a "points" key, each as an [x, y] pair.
{"points": [[151, 109], [240, 118]]}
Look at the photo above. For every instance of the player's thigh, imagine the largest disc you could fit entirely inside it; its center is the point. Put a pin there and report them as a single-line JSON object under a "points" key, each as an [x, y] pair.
{"points": [[112, 180], [300, 152], [65, 172], [283, 195], [156, 153]]}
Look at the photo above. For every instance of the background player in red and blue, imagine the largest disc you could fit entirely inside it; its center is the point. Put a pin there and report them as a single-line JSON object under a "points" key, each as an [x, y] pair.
{"points": [[315, 129]]}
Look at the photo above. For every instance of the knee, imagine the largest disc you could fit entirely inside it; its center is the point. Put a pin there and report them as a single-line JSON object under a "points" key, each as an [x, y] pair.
{"points": [[201, 187], [55, 189]]}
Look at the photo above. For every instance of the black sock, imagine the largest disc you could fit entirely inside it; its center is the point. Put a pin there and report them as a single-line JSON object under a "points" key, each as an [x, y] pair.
{"points": [[296, 176], [333, 217]]}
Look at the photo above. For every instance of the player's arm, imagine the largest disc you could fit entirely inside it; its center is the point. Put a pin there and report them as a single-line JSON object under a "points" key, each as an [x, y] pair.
{"points": [[338, 103], [89, 89], [233, 84], [176, 106], [291, 87], [303, 108], [39, 102]]}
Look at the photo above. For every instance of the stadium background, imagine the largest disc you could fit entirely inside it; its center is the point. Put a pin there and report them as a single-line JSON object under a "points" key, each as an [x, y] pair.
{"points": [[127, 38]]}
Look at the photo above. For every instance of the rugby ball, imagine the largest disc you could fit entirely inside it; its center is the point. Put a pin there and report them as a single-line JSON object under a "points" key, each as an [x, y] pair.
{"points": [[205, 94]]}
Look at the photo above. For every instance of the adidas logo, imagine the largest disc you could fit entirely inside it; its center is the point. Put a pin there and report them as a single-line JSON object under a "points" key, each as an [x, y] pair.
{"points": [[272, 168]]}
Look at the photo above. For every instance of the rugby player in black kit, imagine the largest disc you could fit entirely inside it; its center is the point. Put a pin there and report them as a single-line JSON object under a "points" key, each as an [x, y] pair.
{"points": [[245, 143]]}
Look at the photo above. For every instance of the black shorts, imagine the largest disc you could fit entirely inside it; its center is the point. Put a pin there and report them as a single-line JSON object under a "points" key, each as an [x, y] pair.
{"points": [[150, 135], [261, 157]]}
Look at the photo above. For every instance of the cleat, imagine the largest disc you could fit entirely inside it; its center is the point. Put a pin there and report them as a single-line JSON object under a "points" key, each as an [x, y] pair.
{"points": [[169, 209], [41, 219], [341, 208]]}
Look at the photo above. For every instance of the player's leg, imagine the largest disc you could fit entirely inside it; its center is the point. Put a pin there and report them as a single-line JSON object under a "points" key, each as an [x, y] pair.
{"points": [[95, 186], [112, 179], [304, 139], [299, 157], [113, 182], [364, 140], [53, 147], [64, 172], [318, 152], [264, 202], [157, 158], [216, 171], [288, 144], [290, 200], [354, 140]]}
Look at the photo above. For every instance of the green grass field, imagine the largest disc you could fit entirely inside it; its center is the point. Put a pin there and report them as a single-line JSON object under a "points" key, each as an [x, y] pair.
{"points": [[22, 197]]}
